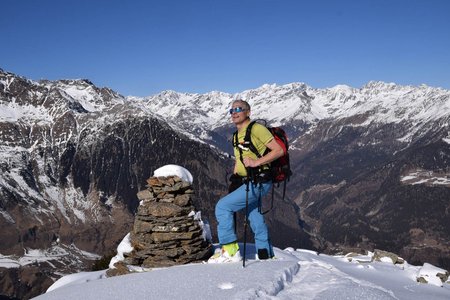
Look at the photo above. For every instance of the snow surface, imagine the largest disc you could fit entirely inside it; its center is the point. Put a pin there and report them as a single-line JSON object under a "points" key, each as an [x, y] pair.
{"points": [[294, 274]]}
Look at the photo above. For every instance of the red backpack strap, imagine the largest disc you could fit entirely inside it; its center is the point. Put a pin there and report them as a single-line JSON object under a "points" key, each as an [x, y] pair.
{"points": [[280, 137]]}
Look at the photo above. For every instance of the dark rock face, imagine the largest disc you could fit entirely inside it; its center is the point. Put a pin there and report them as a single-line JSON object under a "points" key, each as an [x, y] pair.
{"points": [[73, 181], [110, 168], [353, 194], [32, 278]]}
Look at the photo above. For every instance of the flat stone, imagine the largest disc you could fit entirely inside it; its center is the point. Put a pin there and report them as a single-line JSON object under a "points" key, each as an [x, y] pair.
{"points": [[170, 253], [166, 236], [144, 195], [182, 200], [160, 209], [379, 254], [133, 260], [154, 181], [175, 188], [193, 248], [142, 227], [149, 248], [197, 242], [166, 195], [169, 228], [120, 269], [158, 262], [421, 280]]}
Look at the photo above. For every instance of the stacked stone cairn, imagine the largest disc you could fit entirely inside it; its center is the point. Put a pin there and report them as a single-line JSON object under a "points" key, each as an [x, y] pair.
{"points": [[165, 232]]}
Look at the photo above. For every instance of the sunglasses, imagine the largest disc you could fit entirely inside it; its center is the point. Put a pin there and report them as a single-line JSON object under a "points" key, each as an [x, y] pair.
{"points": [[237, 110]]}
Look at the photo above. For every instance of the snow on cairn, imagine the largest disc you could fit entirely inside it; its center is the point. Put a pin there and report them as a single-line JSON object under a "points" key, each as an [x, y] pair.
{"points": [[174, 170]]}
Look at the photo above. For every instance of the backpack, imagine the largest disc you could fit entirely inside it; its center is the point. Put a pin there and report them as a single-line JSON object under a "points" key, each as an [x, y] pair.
{"points": [[280, 169]]}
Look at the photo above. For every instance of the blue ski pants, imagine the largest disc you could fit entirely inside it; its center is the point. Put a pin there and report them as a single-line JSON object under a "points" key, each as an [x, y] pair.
{"points": [[235, 201]]}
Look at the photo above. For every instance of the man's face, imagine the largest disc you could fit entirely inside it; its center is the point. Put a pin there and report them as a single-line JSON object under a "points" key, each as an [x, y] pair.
{"points": [[239, 113]]}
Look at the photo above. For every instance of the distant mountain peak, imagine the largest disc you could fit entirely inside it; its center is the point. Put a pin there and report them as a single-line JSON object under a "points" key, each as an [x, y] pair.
{"points": [[376, 84]]}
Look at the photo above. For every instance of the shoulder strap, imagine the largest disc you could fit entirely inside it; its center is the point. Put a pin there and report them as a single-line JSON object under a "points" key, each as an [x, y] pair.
{"points": [[236, 144], [248, 139]]}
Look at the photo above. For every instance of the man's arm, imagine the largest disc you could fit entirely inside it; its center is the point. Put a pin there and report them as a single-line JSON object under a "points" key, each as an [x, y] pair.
{"points": [[275, 152]]}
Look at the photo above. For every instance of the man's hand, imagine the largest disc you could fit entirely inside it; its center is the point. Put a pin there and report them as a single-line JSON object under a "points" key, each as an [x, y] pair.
{"points": [[249, 162], [275, 152]]}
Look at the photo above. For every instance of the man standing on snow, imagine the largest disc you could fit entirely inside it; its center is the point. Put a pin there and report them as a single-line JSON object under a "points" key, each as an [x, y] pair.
{"points": [[256, 170]]}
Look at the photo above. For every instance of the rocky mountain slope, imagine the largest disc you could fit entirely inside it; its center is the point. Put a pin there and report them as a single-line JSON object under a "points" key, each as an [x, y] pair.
{"points": [[371, 165], [73, 157], [371, 168]]}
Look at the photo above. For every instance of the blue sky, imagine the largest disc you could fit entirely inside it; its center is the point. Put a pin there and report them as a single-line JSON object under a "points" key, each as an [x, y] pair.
{"points": [[144, 47]]}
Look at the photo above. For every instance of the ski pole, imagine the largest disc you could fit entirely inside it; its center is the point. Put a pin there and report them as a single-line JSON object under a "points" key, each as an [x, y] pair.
{"points": [[246, 217]]}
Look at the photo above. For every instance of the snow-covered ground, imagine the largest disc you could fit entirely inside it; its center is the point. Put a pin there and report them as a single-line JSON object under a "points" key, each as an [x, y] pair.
{"points": [[294, 274]]}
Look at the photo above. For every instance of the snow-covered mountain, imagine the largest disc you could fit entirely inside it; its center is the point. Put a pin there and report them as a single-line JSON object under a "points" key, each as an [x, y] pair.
{"points": [[72, 159], [376, 102], [371, 164]]}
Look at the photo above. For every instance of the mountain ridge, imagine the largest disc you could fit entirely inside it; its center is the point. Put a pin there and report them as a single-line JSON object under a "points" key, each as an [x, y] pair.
{"points": [[368, 160], [376, 102]]}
